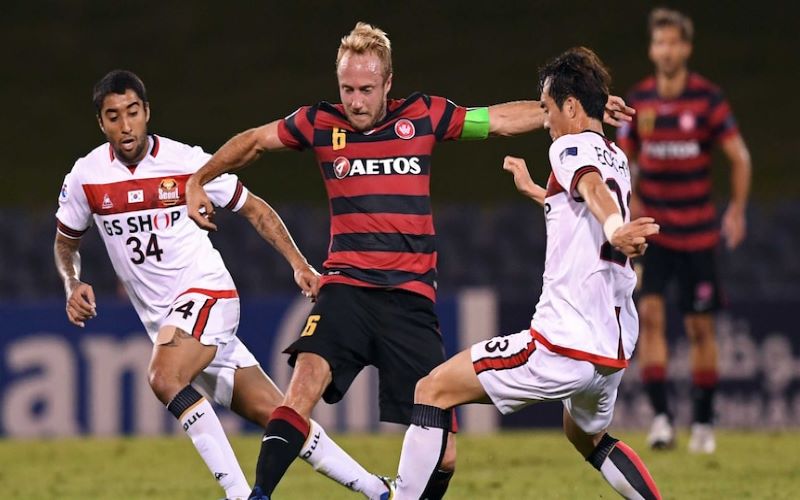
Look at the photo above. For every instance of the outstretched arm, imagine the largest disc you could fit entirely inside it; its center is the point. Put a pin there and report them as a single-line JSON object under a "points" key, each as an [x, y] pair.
{"points": [[522, 179], [733, 220], [630, 237], [272, 229], [519, 117], [514, 118], [241, 150], [80, 296]]}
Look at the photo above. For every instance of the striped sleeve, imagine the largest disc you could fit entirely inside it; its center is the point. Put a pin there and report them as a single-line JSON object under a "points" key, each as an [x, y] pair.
{"points": [[720, 118], [296, 131], [68, 231], [227, 191], [447, 118], [73, 216]]}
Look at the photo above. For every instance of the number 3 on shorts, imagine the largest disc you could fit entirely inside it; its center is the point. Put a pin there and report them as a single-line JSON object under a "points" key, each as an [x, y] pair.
{"points": [[311, 325]]}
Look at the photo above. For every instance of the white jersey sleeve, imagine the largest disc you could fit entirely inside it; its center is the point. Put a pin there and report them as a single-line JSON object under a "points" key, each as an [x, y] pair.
{"points": [[571, 158], [74, 215], [223, 191]]}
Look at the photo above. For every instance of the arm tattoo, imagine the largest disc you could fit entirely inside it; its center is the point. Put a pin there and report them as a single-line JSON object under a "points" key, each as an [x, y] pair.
{"points": [[68, 259], [270, 226]]}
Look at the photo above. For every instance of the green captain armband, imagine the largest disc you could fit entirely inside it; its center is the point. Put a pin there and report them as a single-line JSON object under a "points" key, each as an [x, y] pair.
{"points": [[476, 124]]}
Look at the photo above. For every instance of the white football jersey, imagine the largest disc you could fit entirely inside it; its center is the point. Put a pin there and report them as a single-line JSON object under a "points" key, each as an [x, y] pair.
{"points": [[586, 309], [157, 251]]}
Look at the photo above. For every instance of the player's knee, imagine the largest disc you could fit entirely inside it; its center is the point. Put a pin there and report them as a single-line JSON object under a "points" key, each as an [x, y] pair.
{"points": [[651, 315], [652, 325], [311, 367], [700, 334], [165, 385], [428, 390]]}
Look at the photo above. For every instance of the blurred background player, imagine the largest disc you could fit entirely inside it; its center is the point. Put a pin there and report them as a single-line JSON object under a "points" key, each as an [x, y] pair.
{"points": [[585, 326], [376, 302], [133, 186], [680, 117]]}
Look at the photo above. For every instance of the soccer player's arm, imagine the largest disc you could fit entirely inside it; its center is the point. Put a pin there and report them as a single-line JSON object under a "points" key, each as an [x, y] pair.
{"points": [[241, 150], [519, 117], [630, 237], [73, 212], [271, 228], [725, 130], [522, 179]]}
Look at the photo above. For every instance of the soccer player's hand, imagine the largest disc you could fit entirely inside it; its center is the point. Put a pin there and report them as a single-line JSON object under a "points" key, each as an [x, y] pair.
{"points": [[80, 303], [631, 238], [733, 226], [199, 206], [307, 278], [617, 111], [522, 178]]}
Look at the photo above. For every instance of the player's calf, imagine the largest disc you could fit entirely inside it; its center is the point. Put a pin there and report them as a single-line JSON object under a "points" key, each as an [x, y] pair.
{"points": [[201, 424], [283, 439], [423, 448], [623, 469]]}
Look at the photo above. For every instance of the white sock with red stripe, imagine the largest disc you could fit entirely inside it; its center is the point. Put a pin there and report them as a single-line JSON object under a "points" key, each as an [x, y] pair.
{"points": [[202, 425], [423, 447], [325, 456], [623, 469]]}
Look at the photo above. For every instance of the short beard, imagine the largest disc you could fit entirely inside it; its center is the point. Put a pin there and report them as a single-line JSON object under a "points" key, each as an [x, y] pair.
{"points": [[137, 154], [380, 116], [673, 72]]}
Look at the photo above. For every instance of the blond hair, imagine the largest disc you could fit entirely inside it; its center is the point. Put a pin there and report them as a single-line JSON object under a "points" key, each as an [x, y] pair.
{"points": [[662, 18], [367, 38]]}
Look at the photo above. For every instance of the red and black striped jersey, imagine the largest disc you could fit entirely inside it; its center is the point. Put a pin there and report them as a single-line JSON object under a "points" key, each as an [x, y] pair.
{"points": [[672, 140], [378, 185]]}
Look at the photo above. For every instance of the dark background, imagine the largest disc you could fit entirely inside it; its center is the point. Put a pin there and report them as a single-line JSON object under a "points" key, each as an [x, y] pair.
{"points": [[213, 69]]}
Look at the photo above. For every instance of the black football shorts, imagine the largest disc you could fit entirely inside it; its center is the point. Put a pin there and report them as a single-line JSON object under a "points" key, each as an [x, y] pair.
{"points": [[394, 330]]}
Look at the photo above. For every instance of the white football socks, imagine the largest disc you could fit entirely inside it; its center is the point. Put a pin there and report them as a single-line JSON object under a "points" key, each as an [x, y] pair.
{"points": [[325, 456], [203, 427]]}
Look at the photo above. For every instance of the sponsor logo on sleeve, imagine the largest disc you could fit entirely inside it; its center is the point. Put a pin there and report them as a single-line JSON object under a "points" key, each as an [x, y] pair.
{"points": [[570, 151]]}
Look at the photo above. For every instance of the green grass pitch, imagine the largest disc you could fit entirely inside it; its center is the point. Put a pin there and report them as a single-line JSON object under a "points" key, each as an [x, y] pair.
{"points": [[536, 464]]}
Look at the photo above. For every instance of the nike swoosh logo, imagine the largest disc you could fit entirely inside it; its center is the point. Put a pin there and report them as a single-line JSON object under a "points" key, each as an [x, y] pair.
{"points": [[267, 438]]}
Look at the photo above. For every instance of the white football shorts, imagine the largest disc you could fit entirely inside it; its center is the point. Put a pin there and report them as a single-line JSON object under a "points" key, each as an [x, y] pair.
{"points": [[516, 371], [213, 321]]}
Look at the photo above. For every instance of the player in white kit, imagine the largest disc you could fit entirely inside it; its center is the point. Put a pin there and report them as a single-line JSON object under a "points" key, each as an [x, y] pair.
{"points": [[585, 326], [133, 188]]}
